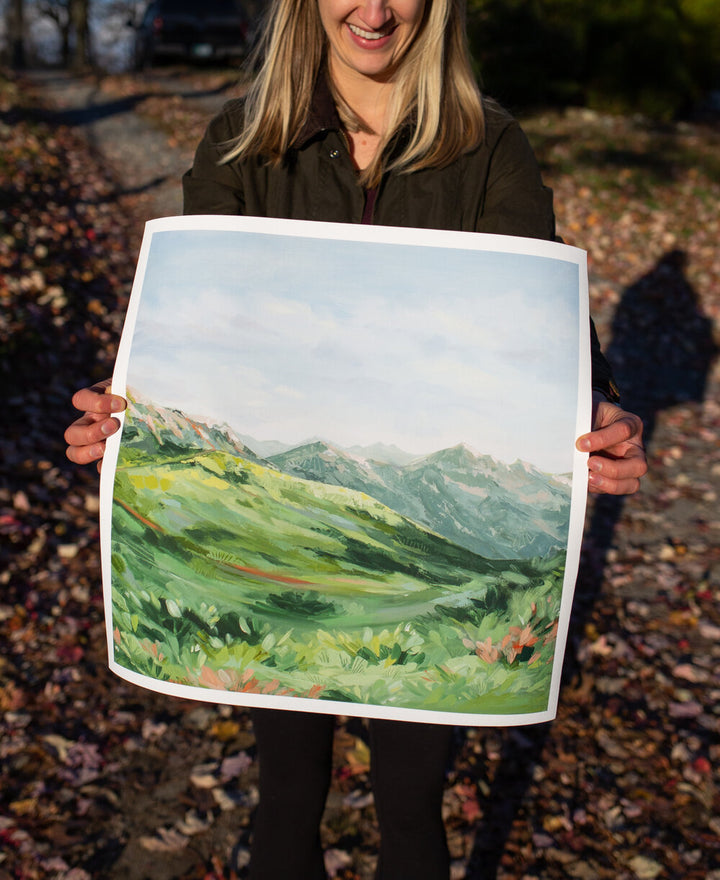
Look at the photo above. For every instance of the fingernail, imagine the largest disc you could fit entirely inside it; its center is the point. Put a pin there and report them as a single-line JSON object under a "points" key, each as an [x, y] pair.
{"points": [[595, 464], [116, 405], [108, 427], [595, 480], [583, 445]]}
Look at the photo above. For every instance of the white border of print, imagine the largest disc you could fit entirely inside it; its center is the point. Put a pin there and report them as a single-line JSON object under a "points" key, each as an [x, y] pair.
{"points": [[386, 235]]}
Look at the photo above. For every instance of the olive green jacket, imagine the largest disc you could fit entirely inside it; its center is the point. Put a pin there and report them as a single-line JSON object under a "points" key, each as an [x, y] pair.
{"points": [[495, 188]]}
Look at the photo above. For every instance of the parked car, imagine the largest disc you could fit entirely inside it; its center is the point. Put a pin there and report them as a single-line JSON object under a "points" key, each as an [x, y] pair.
{"points": [[191, 30]]}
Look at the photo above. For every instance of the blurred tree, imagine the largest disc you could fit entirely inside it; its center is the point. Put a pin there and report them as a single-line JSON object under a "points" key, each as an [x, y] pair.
{"points": [[528, 51], [80, 23], [59, 12], [655, 56], [72, 20], [15, 29], [637, 57]]}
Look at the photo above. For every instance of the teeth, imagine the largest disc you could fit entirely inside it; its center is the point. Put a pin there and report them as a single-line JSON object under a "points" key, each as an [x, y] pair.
{"points": [[366, 35]]}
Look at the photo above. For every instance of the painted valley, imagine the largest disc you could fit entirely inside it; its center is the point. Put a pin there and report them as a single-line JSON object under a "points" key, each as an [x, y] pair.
{"points": [[359, 575]]}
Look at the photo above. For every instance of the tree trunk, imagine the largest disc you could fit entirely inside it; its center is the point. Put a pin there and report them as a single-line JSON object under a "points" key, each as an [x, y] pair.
{"points": [[65, 45], [79, 19], [16, 33]]}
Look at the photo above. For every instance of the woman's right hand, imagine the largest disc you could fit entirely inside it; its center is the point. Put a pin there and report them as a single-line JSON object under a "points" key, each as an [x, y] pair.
{"points": [[86, 436]]}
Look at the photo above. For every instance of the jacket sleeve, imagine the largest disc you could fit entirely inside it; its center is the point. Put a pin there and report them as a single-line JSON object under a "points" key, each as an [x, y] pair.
{"points": [[210, 187], [517, 203]]}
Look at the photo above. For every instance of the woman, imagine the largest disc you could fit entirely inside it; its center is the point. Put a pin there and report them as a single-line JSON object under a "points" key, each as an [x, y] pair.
{"points": [[367, 111]]}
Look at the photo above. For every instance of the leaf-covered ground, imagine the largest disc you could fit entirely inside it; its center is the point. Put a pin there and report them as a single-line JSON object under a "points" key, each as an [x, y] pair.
{"points": [[99, 779]]}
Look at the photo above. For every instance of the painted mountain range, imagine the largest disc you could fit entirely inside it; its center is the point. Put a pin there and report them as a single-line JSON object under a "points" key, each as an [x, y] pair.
{"points": [[496, 510]]}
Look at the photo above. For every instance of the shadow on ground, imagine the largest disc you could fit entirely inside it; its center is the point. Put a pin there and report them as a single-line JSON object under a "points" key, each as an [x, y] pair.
{"points": [[662, 351]]}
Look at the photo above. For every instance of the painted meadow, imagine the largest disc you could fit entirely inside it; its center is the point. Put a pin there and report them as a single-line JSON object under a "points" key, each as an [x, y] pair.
{"points": [[233, 573]]}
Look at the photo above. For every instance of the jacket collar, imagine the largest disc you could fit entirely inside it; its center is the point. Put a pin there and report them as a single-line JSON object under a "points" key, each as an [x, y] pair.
{"points": [[323, 115]]}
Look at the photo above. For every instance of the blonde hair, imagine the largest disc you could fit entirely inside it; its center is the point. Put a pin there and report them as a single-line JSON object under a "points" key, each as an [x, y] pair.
{"points": [[434, 87]]}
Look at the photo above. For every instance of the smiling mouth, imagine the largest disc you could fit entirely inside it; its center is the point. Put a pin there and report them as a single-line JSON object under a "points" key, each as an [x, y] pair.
{"points": [[369, 35]]}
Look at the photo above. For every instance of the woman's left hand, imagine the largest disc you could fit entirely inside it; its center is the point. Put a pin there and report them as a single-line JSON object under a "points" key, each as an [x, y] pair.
{"points": [[617, 456]]}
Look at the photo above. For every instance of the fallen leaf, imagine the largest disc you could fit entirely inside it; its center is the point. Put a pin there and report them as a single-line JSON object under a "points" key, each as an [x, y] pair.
{"points": [[165, 840]]}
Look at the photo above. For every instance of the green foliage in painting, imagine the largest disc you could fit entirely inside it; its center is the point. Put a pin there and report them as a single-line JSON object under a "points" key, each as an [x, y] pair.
{"points": [[230, 574]]}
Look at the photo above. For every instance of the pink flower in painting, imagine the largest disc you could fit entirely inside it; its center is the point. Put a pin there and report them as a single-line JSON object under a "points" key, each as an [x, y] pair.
{"points": [[270, 686], [516, 640], [487, 651], [552, 635], [152, 649], [209, 678], [250, 684]]}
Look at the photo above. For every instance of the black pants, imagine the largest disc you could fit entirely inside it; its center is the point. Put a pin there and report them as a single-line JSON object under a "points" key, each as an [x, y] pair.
{"points": [[408, 773]]}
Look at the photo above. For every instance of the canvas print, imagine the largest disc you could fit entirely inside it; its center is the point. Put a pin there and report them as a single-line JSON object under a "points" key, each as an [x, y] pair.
{"points": [[346, 479]]}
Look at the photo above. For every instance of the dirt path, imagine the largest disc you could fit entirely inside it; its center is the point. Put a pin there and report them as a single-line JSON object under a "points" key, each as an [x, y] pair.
{"points": [[144, 159]]}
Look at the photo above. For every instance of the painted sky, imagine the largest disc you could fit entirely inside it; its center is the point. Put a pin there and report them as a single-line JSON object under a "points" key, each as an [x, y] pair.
{"points": [[287, 338]]}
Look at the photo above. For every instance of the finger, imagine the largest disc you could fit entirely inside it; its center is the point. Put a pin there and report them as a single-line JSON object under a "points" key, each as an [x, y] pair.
{"points": [[601, 485], [632, 466], [95, 400], [617, 476], [86, 454], [618, 432], [90, 429]]}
